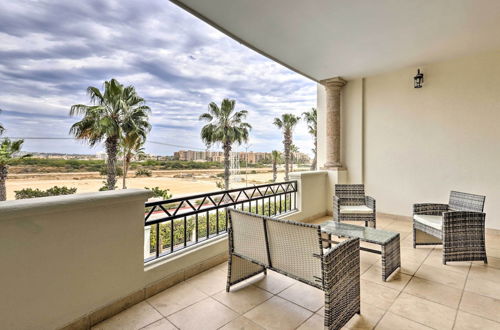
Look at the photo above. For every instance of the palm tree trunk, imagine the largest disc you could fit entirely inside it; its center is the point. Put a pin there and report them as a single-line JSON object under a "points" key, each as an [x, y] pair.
{"points": [[3, 178], [287, 142], [227, 150], [111, 150], [124, 179], [275, 171], [315, 159], [291, 162]]}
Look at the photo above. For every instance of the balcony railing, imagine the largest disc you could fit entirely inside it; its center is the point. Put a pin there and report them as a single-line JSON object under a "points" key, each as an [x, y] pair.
{"points": [[178, 223]]}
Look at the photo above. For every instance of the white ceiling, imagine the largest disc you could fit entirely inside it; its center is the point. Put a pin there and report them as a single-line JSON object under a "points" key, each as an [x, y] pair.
{"points": [[354, 38]]}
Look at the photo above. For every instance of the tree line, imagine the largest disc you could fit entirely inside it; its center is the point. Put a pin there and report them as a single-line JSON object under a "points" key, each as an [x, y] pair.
{"points": [[118, 117]]}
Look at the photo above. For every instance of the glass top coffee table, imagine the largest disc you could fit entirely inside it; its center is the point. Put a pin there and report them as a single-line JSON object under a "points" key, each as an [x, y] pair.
{"points": [[388, 241]]}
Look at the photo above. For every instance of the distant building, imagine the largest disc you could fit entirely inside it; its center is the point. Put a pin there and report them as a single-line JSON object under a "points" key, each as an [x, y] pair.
{"points": [[218, 156]]}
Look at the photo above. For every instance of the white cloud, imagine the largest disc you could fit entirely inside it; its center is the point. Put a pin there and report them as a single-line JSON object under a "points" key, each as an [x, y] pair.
{"points": [[176, 62]]}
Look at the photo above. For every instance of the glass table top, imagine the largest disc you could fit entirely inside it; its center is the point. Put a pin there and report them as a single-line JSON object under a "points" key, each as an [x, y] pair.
{"points": [[365, 234]]}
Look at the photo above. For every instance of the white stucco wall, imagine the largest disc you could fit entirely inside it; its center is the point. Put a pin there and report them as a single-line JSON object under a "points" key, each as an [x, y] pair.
{"points": [[418, 144], [65, 256]]}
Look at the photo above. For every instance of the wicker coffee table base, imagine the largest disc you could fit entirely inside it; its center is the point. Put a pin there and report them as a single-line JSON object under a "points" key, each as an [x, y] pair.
{"points": [[391, 257], [390, 253]]}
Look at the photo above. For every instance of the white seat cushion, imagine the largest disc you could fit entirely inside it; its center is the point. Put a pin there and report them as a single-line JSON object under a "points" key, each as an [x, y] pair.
{"points": [[434, 221], [355, 209]]}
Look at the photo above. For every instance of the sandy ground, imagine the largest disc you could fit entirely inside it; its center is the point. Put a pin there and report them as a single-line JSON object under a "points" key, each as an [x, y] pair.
{"points": [[178, 187]]}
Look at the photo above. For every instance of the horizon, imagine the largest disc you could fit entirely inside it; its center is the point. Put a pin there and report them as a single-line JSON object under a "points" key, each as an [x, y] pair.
{"points": [[175, 61]]}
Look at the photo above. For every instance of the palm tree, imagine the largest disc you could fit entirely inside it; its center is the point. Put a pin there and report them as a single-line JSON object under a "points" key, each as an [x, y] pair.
{"points": [[276, 157], [225, 126], [131, 146], [9, 151], [293, 155], [113, 113], [311, 118], [286, 123]]}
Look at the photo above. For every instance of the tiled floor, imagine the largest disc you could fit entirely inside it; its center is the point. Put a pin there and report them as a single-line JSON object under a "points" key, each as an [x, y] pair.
{"points": [[424, 295]]}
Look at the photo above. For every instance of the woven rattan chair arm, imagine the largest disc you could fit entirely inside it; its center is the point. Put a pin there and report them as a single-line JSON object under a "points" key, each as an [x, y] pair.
{"points": [[370, 202], [452, 217], [430, 208]]}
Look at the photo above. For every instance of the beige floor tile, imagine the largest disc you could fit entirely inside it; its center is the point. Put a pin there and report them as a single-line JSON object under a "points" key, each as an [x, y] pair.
{"points": [[176, 298], [368, 318], [441, 275], [400, 227], [408, 267], [493, 242], [304, 295], [210, 282], [435, 259], [417, 255], [320, 220], [423, 311], [241, 323], [278, 313], [321, 311], [397, 281], [315, 322], [384, 223], [377, 295], [222, 267], [492, 252], [135, 317], [433, 291], [481, 306], [485, 273], [370, 258], [407, 242], [395, 322], [466, 321], [483, 287], [274, 282], [364, 266], [492, 262], [206, 314], [243, 299], [162, 324]]}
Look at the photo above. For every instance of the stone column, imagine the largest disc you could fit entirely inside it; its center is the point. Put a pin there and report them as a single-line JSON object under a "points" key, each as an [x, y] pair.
{"points": [[333, 87]]}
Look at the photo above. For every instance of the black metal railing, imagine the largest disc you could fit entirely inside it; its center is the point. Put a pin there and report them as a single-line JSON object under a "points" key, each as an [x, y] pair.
{"points": [[177, 223]]}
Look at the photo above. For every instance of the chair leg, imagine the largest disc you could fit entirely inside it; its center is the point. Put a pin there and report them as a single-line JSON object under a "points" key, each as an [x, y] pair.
{"points": [[414, 238]]}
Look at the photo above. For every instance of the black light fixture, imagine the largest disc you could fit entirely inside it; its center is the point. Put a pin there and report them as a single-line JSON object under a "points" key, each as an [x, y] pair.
{"points": [[419, 79]]}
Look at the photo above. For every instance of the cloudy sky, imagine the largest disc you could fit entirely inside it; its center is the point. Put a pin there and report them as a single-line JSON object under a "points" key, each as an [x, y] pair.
{"points": [[52, 50]]}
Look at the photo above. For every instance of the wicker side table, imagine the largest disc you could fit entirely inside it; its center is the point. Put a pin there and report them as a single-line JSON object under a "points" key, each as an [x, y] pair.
{"points": [[388, 241]]}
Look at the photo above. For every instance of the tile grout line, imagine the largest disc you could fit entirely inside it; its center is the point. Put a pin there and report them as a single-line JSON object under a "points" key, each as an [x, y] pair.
{"points": [[461, 297], [399, 294]]}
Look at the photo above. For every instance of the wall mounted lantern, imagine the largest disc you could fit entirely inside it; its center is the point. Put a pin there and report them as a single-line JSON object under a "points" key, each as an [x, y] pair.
{"points": [[419, 79]]}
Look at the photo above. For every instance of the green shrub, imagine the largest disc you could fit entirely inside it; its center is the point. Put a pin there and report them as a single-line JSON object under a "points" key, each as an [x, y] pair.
{"points": [[105, 186], [158, 192], [143, 172], [33, 193]]}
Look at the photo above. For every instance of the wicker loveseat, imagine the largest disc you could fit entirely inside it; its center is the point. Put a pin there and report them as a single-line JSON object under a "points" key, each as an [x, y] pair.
{"points": [[257, 243], [458, 225], [351, 204]]}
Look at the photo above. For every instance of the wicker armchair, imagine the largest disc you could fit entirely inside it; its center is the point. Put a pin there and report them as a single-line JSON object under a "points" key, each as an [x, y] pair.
{"points": [[351, 204], [458, 225], [257, 243]]}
